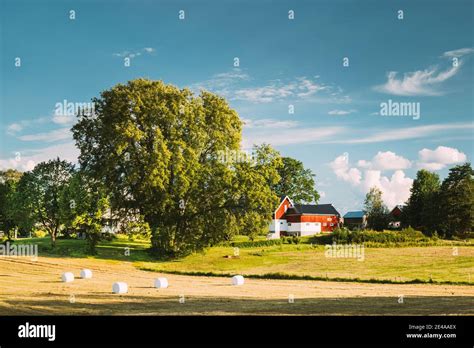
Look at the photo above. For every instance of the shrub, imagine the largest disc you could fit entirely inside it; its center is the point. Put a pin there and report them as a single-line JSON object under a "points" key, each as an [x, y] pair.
{"points": [[39, 234], [344, 236], [258, 243]]}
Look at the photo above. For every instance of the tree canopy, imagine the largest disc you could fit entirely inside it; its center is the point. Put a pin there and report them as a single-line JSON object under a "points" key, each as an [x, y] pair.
{"points": [[158, 150], [296, 182], [457, 201], [420, 211], [38, 195], [376, 210]]}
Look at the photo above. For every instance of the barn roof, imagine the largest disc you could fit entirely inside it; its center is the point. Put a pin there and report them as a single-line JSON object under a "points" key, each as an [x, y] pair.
{"points": [[359, 214], [318, 209]]}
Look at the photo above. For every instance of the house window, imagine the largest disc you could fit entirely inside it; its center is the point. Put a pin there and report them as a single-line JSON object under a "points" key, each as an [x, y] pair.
{"points": [[281, 222], [332, 225], [289, 223]]}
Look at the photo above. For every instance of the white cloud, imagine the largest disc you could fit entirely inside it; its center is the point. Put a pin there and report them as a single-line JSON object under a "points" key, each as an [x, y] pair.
{"points": [[459, 52], [14, 128], [54, 135], [341, 112], [133, 54], [26, 159], [417, 83], [288, 136], [341, 168], [63, 119], [389, 161], [221, 83], [269, 123], [301, 87], [229, 85], [440, 157], [18, 126], [405, 133], [395, 189]]}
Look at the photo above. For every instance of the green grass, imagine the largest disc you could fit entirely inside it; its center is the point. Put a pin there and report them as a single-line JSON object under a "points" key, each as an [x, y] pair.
{"points": [[421, 264], [120, 249]]}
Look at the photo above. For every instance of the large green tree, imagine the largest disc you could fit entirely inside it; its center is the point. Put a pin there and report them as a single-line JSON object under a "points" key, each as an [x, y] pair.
{"points": [[376, 210], [421, 208], [159, 149], [8, 183], [457, 201], [39, 192], [296, 181], [84, 207]]}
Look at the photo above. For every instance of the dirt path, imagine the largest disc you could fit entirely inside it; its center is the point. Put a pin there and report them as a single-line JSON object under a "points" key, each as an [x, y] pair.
{"points": [[34, 287]]}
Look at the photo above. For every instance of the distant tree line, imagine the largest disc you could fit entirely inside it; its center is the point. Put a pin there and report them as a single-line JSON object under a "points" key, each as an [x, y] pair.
{"points": [[442, 208]]}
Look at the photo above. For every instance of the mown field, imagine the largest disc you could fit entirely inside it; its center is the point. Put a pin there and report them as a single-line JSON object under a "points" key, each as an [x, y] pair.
{"points": [[441, 264], [34, 287]]}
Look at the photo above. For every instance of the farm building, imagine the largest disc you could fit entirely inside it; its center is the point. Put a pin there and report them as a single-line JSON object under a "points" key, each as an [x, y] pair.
{"points": [[395, 216], [355, 220], [302, 219]]}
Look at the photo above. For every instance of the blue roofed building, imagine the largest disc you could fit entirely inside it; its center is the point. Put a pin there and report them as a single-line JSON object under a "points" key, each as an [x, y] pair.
{"points": [[355, 220]]}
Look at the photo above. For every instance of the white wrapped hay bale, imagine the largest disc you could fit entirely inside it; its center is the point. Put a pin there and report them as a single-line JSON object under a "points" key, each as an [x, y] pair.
{"points": [[86, 274], [238, 280], [161, 283], [120, 288], [67, 277]]}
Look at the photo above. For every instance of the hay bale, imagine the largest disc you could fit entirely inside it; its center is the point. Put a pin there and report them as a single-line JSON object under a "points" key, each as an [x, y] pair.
{"points": [[67, 277], [120, 288], [238, 280], [161, 283], [86, 274]]}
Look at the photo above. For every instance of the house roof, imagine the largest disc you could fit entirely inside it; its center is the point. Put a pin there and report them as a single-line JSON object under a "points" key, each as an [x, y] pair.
{"points": [[318, 209], [359, 214]]}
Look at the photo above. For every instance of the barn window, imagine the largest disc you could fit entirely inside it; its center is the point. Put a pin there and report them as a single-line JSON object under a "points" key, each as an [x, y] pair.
{"points": [[325, 224], [332, 225]]}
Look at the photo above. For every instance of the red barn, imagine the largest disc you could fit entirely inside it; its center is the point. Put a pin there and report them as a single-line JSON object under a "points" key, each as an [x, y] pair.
{"points": [[303, 219]]}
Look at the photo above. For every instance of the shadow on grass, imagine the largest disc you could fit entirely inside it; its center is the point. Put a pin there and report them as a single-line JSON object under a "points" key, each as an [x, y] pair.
{"points": [[119, 249], [128, 304]]}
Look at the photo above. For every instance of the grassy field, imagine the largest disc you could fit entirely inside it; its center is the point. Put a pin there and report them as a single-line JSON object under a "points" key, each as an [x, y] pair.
{"points": [[30, 287], [380, 264], [33, 286]]}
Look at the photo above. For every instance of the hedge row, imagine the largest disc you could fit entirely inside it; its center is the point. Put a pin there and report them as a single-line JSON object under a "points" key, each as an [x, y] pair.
{"points": [[257, 244], [285, 276]]}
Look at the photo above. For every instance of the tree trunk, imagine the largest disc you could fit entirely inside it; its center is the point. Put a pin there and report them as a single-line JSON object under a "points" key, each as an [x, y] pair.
{"points": [[53, 238]]}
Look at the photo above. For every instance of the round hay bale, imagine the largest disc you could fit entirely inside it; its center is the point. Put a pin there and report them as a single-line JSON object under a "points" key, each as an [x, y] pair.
{"points": [[238, 280], [86, 274], [161, 283], [67, 277], [120, 288]]}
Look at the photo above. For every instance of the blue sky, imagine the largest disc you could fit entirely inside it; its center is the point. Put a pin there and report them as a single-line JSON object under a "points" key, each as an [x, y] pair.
{"points": [[336, 129]]}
